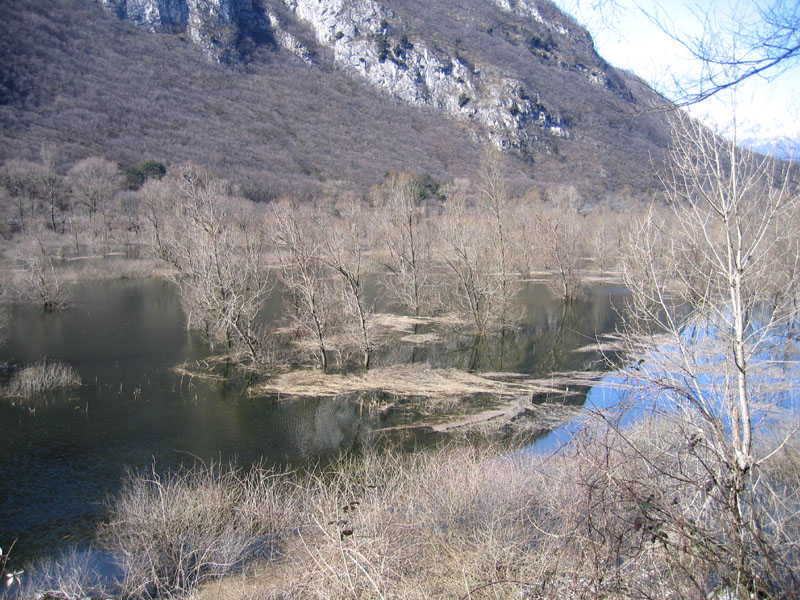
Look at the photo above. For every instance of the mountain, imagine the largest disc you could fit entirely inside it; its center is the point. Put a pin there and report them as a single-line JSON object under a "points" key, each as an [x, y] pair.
{"points": [[778, 146], [302, 95]]}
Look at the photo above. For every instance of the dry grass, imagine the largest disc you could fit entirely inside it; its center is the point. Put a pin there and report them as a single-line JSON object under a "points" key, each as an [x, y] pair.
{"points": [[420, 338], [501, 414], [85, 268], [456, 522], [198, 370], [406, 380], [441, 395], [40, 378]]}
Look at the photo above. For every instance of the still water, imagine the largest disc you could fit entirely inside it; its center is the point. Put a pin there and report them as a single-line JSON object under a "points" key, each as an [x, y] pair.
{"points": [[62, 456]]}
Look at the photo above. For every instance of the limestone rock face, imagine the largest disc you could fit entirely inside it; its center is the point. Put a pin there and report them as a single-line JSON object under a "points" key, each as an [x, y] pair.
{"points": [[218, 27], [371, 42], [368, 41]]}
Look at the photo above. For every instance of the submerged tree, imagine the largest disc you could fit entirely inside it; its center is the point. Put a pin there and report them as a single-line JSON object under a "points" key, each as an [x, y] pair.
{"points": [[345, 244], [39, 280], [496, 205], [18, 178], [474, 284], [215, 251], [407, 238], [95, 182], [312, 303], [563, 236]]}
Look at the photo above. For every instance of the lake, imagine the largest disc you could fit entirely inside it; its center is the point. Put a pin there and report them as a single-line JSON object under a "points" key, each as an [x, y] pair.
{"points": [[62, 456]]}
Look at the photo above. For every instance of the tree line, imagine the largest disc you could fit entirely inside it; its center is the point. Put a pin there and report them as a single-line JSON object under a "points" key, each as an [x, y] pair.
{"points": [[415, 245]]}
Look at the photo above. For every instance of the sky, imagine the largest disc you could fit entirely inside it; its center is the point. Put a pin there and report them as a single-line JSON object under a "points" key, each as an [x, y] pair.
{"points": [[626, 36]]}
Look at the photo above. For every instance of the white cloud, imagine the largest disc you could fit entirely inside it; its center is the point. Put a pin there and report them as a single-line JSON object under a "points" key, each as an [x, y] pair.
{"points": [[628, 38]]}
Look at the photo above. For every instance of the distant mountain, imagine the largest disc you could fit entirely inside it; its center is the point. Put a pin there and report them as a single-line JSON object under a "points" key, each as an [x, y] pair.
{"points": [[288, 95], [781, 146]]}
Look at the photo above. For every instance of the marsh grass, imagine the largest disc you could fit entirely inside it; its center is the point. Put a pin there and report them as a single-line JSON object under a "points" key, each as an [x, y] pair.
{"points": [[41, 377], [460, 521], [399, 380]]}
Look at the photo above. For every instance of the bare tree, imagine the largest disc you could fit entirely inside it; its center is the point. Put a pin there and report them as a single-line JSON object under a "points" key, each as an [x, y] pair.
{"points": [[737, 41], [721, 285], [295, 231], [528, 242], [94, 182], [463, 253], [39, 281], [496, 204], [19, 178], [407, 237], [52, 189], [605, 230], [732, 49], [344, 250], [563, 236], [215, 248]]}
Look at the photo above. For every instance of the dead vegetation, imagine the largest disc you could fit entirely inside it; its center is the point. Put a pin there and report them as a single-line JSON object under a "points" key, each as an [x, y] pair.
{"points": [[401, 381], [39, 378], [444, 399], [461, 521]]}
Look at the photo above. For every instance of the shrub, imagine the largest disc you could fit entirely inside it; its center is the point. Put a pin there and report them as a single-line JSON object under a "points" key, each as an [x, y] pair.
{"points": [[137, 175], [72, 576], [382, 45], [41, 377], [178, 530]]}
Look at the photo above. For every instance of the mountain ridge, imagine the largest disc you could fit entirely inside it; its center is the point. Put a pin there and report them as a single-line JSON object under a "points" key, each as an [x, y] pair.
{"points": [[341, 90]]}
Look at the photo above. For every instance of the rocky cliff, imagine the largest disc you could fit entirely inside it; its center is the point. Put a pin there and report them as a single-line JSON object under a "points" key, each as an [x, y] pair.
{"points": [[377, 44], [221, 28]]}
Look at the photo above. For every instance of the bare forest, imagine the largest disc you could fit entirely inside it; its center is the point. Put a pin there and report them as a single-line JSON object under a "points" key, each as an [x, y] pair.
{"points": [[278, 126], [411, 246]]}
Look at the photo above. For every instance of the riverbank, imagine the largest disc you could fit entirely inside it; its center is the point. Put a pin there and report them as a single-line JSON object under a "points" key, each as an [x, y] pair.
{"points": [[454, 521]]}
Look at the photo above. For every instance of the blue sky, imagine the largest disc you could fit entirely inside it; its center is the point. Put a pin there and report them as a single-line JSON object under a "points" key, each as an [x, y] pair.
{"points": [[626, 37]]}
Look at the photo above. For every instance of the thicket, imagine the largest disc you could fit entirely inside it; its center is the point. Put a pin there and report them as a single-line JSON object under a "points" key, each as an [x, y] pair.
{"points": [[454, 522], [412, 244]]}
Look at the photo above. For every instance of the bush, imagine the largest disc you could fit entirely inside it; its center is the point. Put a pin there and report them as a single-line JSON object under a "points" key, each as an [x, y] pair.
{"points": [[41, 377], [176, 531], [136, 176], [72, 576]]}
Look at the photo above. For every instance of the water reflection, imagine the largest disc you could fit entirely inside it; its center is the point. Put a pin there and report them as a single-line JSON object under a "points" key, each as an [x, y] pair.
{"points": [[61, 457], [545, 341]]}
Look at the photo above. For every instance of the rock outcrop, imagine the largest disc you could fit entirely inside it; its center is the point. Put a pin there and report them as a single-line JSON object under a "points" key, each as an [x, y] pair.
{"points": [[369, 41], [223, 29]]}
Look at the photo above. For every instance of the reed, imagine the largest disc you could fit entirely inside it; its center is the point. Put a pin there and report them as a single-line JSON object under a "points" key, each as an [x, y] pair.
{"points": [[41, 377]]}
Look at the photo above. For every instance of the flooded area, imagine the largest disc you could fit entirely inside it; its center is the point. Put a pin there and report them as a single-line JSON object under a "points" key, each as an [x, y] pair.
{"points": [[63, 455]]}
